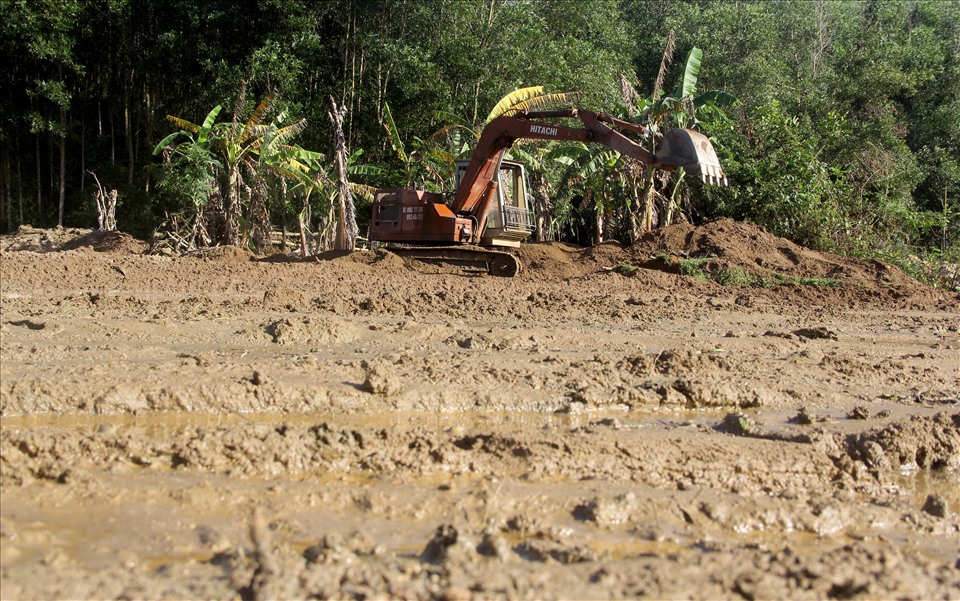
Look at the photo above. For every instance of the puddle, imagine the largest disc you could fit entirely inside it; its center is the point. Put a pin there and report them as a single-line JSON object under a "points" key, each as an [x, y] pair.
{"points": [[921, 483]]}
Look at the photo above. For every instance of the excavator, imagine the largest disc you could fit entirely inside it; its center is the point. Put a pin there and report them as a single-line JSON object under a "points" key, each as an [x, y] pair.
{"points": [[491, 204]]}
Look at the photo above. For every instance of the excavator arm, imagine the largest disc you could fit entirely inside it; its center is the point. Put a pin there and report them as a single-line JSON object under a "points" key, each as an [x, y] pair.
{"points": [[678, 148]]}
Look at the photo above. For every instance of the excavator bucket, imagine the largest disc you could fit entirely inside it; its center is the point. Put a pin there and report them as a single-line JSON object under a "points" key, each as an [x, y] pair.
{"points": [[694, 152]]}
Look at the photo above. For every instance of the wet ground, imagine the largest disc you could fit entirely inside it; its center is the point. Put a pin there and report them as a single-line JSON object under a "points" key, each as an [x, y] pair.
{"points": [[601, 426]]}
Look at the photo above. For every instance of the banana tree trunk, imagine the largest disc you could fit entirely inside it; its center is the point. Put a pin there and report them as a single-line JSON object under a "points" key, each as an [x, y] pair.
{"points": [[232, 208], [649, 197], [303, 222], [542, 209], [346, 221]]}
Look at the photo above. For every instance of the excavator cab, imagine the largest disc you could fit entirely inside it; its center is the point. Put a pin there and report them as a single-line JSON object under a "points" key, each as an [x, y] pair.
{"points": [[510, 219]]}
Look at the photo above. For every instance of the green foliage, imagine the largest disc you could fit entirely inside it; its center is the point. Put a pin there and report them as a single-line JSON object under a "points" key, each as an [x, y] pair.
{"points": [[189, 179], [785, 176], [626, 268], [427, 165], [736, 277]]}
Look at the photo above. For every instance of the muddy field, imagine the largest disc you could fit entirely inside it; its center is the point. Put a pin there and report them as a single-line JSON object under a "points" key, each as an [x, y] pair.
{"points": [[605, 425]]}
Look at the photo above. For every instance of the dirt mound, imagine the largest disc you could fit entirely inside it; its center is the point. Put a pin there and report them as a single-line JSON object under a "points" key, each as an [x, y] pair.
{"points": [[227, 254], [31, 239], [734, 255], [550, 260], [108, 242], [744, 254], [732, 244]]}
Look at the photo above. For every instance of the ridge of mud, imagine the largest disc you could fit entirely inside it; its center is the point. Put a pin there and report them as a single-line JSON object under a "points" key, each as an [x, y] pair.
{"points": [[724, 243], [926, 442]]}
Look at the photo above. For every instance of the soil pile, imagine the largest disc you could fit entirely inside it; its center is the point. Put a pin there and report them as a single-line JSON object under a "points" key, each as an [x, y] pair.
{"points": [[31, 239], [734, 254], [730, 244]]}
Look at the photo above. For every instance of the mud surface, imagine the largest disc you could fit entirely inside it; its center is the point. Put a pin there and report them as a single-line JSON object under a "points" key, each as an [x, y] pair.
{"points": [[602, 426]]}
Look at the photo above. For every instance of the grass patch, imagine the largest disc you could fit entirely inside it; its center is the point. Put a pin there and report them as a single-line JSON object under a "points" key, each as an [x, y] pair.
{"points": [[738, 278], [732, 277], [626, 268], [777, 279], [695, 268]]}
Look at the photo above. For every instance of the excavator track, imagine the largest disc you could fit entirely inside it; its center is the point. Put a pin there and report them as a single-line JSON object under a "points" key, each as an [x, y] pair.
{"points": [[467, 258]]}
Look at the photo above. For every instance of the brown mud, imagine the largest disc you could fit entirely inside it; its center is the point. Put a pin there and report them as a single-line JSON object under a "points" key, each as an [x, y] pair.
{"points": [[601, 426]]}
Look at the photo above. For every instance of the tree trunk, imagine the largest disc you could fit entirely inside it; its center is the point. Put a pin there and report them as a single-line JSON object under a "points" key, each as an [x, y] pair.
{"points": [[232, 209], [149, 131], [19, 183], [346, 220], [63, 166], [39, 182], [6, 204], [106, 207], [129, 134], [649, 197], [542, 208], [19, 190], [83, 150], [304, 236], [113, 140], [598, 233]]}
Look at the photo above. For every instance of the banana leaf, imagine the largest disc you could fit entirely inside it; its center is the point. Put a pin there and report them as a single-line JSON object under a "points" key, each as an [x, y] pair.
{"points": [[511, 99], [392, 134], [691, 72]]}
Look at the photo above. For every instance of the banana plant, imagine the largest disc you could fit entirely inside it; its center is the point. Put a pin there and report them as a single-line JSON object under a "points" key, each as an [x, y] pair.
{"points": [[594, 172], [428, 165], [250, 147], [659, 112], [195, 134], [679, 109], [320, 193], [242, 152], [456, 139], [189, 172]]}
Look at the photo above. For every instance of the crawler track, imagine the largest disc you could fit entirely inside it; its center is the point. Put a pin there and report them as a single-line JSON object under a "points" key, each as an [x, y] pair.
{"points": [[469, 258]]}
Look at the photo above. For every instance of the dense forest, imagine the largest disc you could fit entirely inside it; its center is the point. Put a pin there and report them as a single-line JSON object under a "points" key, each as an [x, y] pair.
{"points": [[837, 122]]}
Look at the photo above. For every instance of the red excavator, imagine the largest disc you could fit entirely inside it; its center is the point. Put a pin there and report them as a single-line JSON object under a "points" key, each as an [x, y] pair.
{"points": [[491, 206]]}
